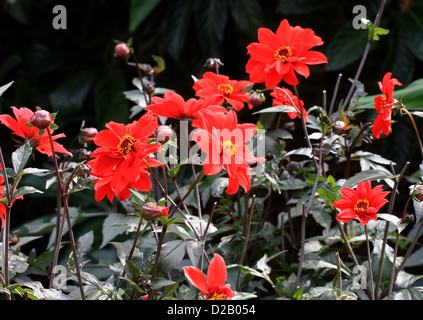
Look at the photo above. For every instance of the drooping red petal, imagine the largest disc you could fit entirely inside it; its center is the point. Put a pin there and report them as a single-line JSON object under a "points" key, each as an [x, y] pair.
{"points": [[197, 279]]}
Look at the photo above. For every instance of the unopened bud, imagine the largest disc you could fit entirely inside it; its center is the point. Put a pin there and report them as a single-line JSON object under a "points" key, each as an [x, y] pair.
{"points": [[164, 133], [41, 119], [152, 211], [122, 51], [339, 128], [256, 99], [88, 134]]}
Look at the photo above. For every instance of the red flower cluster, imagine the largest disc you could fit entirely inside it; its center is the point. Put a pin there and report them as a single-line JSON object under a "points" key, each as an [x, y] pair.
{"points": [[383, 105], [21, 129], [213, 286], [362, 203], [277, 56], [121, 162], [284, 97]]}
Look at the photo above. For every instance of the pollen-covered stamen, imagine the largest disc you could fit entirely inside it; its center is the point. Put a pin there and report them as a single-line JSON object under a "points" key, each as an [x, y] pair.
{"points": [[283, 53], [228, 148], [216, 296], [382, 105], [361, 206], [227, 89], [126, 144]]}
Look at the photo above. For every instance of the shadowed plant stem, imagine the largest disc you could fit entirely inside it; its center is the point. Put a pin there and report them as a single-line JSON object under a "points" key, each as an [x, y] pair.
{"points": [[6, 228], [364, 57], [247, 235], [385, 234], [66, 213], [369, 258], [415, 129]]}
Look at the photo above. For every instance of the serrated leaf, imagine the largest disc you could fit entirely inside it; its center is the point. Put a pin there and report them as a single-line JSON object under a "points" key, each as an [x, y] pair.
{"points": [[20, 157]]}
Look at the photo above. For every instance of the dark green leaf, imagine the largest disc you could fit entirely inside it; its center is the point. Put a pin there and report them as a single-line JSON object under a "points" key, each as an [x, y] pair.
{"points": [[346, 47], [139, 11], [211, 17], [247, 15]]}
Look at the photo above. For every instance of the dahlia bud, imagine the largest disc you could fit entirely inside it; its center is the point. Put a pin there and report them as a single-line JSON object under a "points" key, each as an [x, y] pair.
{"points": [[41, 119], [88, 134], [339, 128], [152, 211], [213, 64], [122, 51], [256, 99], [164, 133], [418, 192], [385, 135], [84, 171]]}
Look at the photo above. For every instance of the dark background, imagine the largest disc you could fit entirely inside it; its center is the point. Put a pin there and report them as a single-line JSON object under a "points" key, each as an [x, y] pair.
{"points": [[74, 71]]}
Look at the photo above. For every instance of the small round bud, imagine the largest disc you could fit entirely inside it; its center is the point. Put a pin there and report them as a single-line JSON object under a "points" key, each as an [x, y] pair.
{"points": [[88, 134], [41, 119], [255, 99], [418, 192], [122, 51], [84, 154], [13, 240], [293, 166], [164, 133], [152, 211], [409, 218], [84, 171], [385, 135], [213, 64], [339, 127]]}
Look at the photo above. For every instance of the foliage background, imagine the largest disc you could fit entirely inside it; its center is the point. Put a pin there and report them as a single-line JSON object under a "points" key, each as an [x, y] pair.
{"points": [[73, 71]]}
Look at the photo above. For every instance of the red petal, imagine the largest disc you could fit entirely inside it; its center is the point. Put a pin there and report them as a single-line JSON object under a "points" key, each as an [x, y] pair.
{"points": [[216, 274], [197, 279]]}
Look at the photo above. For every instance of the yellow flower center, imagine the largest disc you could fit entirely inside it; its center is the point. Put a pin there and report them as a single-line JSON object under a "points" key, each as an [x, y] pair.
{"points": [[126, 144], [216, 296], [227, 89], [283, 53], [361, 206], [382, 105], [228, 148]]}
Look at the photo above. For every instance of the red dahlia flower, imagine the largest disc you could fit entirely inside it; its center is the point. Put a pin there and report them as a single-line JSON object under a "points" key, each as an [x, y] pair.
{"points": [[277, 56], [119, 162], [20, 128], [223, 140], [362, 203], [224, 89], [213, 286], [383, 105], [172, 105], [286, 98]]}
